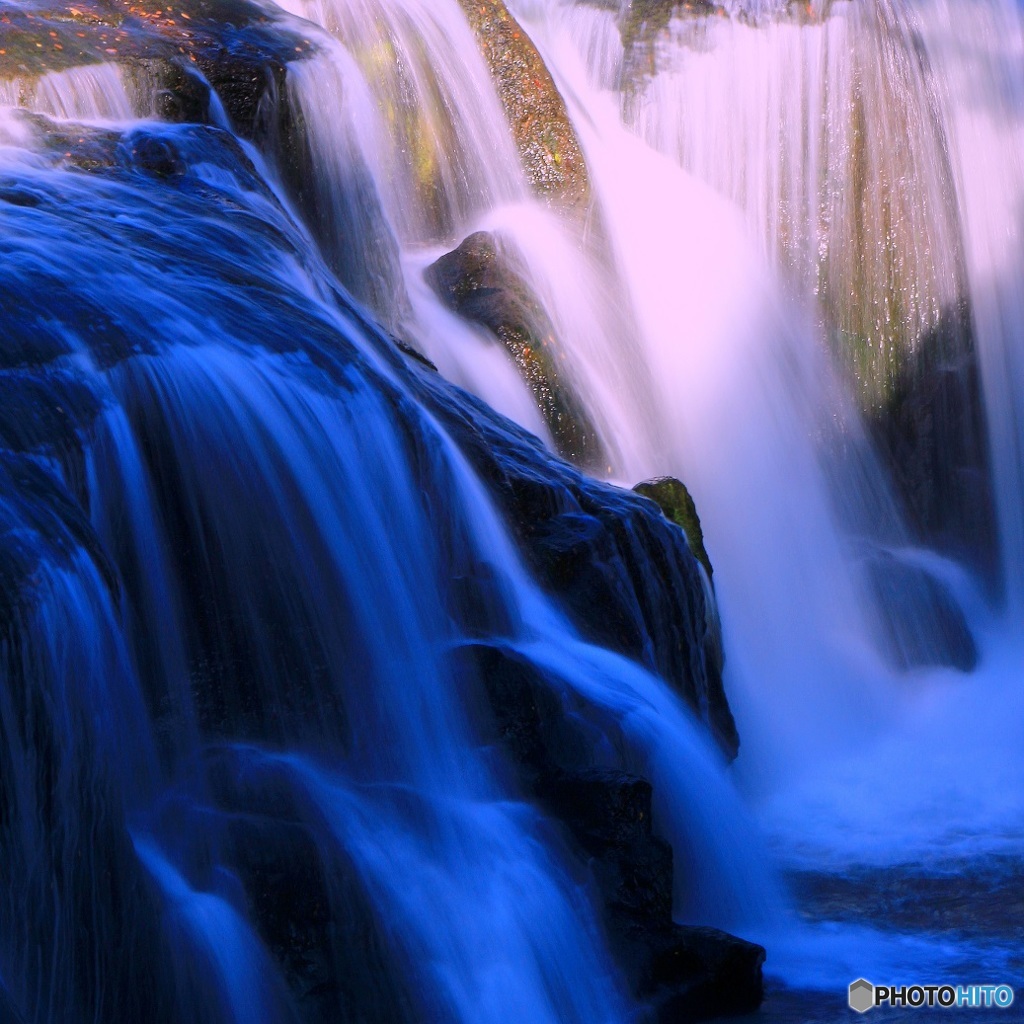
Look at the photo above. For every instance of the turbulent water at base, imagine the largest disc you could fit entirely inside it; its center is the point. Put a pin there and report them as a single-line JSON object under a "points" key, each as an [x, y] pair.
{"points": [[252, 565]]}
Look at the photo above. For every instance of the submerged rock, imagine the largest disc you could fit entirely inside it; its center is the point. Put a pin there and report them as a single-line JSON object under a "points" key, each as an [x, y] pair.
{"points": [[920, 620], [480, 282], [540, 125]]}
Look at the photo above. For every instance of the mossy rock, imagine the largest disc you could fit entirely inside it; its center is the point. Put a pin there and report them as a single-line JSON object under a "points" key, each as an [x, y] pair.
{"points": [[672, 497]]}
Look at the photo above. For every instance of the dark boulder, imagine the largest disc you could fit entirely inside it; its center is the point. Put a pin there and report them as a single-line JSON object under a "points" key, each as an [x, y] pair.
{"points": [[480, 282], [523, 714], [703, 973]]}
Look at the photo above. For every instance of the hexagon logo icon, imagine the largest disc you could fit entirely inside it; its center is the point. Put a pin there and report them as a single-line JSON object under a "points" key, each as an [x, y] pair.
{"points": [[862, 995]]}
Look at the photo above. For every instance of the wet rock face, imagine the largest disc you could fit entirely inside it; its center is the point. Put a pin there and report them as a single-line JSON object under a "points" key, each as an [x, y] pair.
{"points": [[681, 973], [174, 92], [643, 20], [309, 904], [623, 573], [677, 972], [479, 281], [543, 133], [626, 576], [240, 50]]}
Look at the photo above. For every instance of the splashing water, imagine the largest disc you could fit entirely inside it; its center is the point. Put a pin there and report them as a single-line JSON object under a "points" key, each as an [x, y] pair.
{"points": [[856, 765]]}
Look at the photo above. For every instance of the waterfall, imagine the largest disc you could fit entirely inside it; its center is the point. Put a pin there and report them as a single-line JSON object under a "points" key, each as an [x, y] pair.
{"points": [[234, 687], [278, 597], [746, 332], [92, 93], [438, 160], [989, 175], [786, 269]]}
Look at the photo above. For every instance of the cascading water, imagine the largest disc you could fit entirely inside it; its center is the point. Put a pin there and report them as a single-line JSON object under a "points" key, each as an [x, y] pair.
{"points": [[218, 725], [837, 143], [776, 115], [978, 75], [270, 571]]}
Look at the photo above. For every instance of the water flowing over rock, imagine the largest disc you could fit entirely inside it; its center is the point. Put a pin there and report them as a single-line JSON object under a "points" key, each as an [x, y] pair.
{"points": [[479, 281], [240, 50], [923, 622], [327, 692], [933, 431], [233, 687], [839, 187], [609, 823], [175, 63]]}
